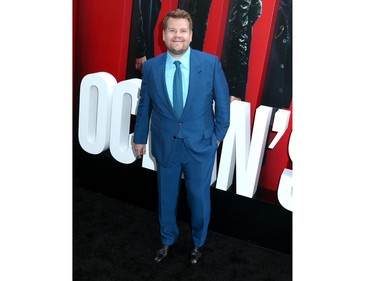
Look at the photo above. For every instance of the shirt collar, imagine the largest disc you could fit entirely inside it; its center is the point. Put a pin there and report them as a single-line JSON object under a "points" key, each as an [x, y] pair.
{"points": [[184, 59]]}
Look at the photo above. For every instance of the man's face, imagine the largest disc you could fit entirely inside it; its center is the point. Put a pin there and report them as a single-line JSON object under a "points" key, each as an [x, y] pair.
{"points": [[177, 36]]}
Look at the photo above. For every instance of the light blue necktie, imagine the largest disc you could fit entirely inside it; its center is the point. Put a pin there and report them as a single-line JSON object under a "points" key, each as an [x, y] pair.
{"points": [[177, 90]]}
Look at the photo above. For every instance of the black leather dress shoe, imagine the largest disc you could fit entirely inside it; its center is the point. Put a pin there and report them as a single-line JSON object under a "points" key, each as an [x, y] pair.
{"points": [[195, 255], [161, 254]]}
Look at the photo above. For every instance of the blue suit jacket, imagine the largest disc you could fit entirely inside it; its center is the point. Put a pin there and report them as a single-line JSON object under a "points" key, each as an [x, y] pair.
{"points": [[199, 125]]}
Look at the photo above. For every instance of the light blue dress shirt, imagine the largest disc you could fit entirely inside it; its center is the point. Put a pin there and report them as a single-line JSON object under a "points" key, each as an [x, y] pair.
{"points": [[170, 68]]}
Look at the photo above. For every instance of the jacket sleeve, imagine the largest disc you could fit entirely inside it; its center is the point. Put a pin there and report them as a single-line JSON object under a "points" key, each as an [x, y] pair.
{"points": [[222, 102], [144, 110]]}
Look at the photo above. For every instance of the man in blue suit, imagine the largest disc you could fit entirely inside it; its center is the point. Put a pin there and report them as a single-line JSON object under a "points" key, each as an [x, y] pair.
{"points": [[187, 143]]}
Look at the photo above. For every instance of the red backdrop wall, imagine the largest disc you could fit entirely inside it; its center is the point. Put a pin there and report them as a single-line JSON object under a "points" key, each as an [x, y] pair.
{"points": [[101, 31]]}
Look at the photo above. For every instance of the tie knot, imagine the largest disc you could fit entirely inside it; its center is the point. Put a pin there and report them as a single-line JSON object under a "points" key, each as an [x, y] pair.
{"points": [[177, 63]]}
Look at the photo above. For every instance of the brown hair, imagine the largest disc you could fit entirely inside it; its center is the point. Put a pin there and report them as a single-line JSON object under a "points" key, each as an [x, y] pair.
{"points": [[178, 14]]}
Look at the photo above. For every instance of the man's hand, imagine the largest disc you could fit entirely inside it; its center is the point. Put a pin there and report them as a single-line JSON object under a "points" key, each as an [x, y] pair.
{"points": [[232, 98], [140, 150], [139, 62]]}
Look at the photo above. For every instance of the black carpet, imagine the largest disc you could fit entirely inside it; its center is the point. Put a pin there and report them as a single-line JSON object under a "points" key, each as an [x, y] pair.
{"points": [[116, 241]]}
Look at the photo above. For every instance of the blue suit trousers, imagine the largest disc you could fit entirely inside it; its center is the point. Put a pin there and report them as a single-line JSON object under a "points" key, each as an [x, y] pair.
{"points": [[197, 177]]}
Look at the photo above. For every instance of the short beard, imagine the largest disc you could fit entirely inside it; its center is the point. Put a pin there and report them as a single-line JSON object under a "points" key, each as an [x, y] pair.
{"points": [[179, 52]]}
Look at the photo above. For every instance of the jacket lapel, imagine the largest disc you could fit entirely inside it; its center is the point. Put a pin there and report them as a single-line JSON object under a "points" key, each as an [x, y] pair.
{"points": [[161, 86], [195, 79]]}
